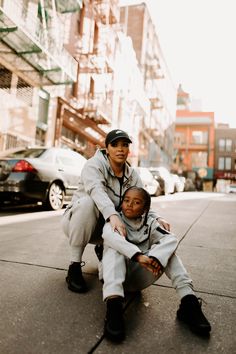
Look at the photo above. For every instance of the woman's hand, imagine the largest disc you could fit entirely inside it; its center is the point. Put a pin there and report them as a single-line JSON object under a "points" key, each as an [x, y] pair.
{"points": [[117, 225], [149, 263], [164, 223]]}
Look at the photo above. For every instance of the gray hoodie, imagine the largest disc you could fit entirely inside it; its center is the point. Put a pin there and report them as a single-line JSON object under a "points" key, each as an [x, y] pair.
{"points": [[149, 239], [99, 182]]}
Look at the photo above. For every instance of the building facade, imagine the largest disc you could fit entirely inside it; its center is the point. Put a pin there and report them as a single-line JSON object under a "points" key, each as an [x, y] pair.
{"points": [[85, 113], [72, 70], [225, 157], [156, 132], [35, 67], [194, 141], [56, 64]]}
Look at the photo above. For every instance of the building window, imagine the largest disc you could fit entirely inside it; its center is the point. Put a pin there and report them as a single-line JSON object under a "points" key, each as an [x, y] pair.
{"points": [[221, 145], [228, 145], [199, 159], [199, 137], [228, 163], [224, 163], [6, 77], [180, 138], [24, 91], [221, 163], [225, 145]]}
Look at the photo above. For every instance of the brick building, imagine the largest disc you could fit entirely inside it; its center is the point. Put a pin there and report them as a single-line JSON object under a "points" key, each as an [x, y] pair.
{"points": [[35, 67], [225, 156], [194, 140], [157, 130], [69, 72]]}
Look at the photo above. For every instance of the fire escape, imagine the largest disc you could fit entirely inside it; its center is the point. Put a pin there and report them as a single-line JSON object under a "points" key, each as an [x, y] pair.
{"points": [[153, 73], [90, 106], [31, 41]]}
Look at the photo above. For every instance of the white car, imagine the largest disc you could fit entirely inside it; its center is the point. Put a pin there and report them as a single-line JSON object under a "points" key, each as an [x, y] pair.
{"points": [[179, 182], [149, 182], [169, 186], [231, 188]]}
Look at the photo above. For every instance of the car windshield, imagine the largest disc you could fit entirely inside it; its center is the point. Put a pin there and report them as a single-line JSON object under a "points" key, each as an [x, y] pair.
{"points": [[30, 153]]}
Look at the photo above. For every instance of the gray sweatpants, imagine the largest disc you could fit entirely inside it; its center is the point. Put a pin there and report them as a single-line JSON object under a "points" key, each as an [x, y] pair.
{"points": [[82, 223], [121, 274]]}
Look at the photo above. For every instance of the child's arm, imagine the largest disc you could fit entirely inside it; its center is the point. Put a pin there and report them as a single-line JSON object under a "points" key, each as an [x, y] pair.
{"points": [[114, 240], [163, 244]]}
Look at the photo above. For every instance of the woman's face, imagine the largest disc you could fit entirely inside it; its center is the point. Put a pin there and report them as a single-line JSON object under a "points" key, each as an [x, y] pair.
{"points": [[133, 205], [118, 151]]}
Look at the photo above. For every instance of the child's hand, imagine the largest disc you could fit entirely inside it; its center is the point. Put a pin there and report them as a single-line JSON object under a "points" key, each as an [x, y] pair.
{"points": [[149, 263], [164, 223]]}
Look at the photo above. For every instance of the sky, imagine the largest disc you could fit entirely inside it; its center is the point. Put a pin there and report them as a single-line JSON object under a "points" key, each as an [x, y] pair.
{"points": [[198, 41]]}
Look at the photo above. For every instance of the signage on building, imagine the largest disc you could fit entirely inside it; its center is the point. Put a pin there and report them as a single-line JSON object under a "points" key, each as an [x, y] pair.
{"points": [[202, 172], [225, 175]]}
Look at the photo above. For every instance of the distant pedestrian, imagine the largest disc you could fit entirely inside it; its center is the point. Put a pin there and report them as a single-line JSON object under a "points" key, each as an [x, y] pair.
{"points": [[136, 260], [104, 179]]}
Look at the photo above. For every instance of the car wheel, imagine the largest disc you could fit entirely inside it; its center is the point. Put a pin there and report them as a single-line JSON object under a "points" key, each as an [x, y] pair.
{"points": [[55, 199]]}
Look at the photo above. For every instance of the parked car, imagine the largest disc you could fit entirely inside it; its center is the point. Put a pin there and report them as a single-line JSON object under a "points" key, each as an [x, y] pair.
{"points": [[40, 174], [183, 181], [160, 180], [166, 177], [179, 182], [231, 188], [149, 182], [189, 185]]}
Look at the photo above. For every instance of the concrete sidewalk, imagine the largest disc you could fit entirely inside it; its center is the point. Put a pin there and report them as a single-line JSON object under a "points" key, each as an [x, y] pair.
{"points": [[40, 316]]}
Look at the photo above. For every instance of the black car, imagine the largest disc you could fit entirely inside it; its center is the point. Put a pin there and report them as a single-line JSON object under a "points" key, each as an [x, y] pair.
{"points": [[39, 174]]}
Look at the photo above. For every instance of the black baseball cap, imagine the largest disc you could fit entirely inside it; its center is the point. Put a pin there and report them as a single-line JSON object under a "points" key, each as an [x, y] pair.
{"points": [[116, 134]]}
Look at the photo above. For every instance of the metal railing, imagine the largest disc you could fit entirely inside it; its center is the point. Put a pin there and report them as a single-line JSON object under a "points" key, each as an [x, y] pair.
{"points": [[25, 17]]}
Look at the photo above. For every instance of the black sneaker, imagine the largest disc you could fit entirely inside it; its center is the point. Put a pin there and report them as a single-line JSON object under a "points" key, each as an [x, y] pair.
{"points": [[99, 251], [190, 312], [114, 324], [75, 278]]}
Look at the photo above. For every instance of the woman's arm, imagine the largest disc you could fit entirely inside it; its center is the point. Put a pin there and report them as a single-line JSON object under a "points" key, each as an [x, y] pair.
{"points": [[117, 225], [94, 182]]}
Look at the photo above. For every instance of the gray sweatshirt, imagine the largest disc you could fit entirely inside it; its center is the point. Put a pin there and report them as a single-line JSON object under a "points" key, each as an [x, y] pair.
{"points": [[98, 181], [148, 239]]}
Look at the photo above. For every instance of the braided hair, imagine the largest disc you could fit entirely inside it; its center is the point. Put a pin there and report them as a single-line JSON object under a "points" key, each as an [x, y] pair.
{"points": [[146, 197]]}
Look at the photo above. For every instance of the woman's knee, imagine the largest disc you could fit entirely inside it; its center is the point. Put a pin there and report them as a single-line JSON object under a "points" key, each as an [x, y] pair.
{"points": [[85, 205], [80, 220]]}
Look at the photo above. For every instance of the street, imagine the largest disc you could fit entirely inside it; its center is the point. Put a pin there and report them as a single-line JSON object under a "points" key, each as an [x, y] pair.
{"points": [[40, 316]]}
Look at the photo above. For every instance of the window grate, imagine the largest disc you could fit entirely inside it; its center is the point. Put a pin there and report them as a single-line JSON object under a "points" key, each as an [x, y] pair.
{"points": [[24, 92]]}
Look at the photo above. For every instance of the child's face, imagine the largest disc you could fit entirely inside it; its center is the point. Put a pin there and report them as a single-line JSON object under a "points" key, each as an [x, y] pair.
{"points": [[133, 204]]}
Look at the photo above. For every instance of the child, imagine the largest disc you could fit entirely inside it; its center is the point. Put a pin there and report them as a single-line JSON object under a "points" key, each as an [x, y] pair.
{"points": [[135, 261]]}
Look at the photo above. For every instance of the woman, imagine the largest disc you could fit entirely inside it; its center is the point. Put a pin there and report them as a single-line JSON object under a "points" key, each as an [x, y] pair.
{"points": [[104, 179]]}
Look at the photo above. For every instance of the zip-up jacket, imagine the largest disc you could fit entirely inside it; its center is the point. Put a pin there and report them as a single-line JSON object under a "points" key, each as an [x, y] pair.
{"points": [[99, 182], [150, 238]]}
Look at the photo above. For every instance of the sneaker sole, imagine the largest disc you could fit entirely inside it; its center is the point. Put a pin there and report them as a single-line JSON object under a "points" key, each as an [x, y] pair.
{"points": [[204, 332]]}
